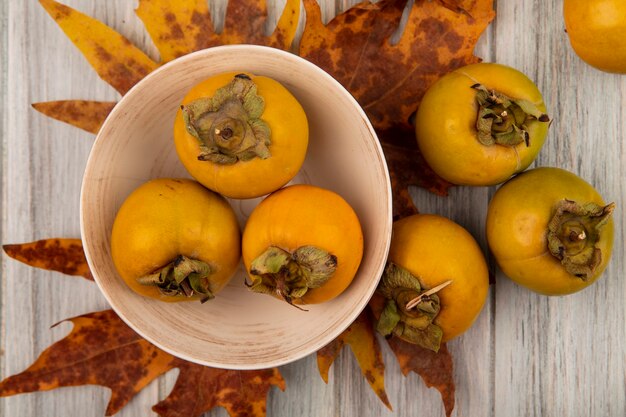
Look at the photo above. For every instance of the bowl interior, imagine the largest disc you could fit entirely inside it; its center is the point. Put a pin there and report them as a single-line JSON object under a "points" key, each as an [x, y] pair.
{"points": [[238, 329]]}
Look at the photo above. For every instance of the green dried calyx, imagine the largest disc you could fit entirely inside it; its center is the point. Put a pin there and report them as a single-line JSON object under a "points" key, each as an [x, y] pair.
{"points": [[503, 120], [183, 277], [410, 308], [228, 125], [291, 275], [573, 235]]}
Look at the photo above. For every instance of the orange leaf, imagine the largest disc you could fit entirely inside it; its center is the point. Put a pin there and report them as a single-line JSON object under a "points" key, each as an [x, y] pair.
{"points": [[86, 115], [200, 388], [362, 340], [100, 350], [114, 58], [61, 255], [389, 79], [178, 27], [434, 368]]}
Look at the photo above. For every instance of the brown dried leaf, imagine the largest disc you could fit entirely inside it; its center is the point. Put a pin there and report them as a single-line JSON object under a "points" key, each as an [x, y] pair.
{"points": [[200, 388], [61, 255], [434, 368], [115, 59], [402, 161], [364, 344], [86, 115], [100, 350], [389, 79]]}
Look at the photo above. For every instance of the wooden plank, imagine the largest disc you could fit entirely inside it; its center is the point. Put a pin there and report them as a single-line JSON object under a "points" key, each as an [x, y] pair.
{"points": [[565, 356]]}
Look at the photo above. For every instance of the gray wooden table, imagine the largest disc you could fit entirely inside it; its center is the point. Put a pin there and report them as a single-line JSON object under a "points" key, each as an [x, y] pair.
{"points": [[527, 355]]}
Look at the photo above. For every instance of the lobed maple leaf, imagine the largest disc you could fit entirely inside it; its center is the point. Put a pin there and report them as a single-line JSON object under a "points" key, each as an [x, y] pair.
{"points": [[200, 388], [102, 350], [363, 343], [62, 255], [389, 78]]}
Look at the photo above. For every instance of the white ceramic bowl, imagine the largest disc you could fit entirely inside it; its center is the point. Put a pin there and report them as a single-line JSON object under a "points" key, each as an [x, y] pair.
{"points": [[238, 329]]}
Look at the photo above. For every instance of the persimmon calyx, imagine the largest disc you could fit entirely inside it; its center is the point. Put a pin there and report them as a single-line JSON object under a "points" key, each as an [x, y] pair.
{"points": [[573, 235], [503, 120], [183, 277], [229, 125], [291, 275], [414, 324]]}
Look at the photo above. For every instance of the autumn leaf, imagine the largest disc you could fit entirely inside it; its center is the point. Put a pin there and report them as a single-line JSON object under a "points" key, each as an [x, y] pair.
{"points": [[100, 350], [402, 161], [435, 369], [388, 72], [363, 343], [200, 388], [116, 60], [245, 23], [61, 255], [389, 77], [177, 27], [181, 27], [86, 115]]}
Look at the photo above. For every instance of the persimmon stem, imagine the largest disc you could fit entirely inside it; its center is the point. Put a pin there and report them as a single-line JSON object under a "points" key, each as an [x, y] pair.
{"points": [[400, 288], [504, 120], [573, 236], [228, 125], [291, 275], [182, 277], [414, 302]]}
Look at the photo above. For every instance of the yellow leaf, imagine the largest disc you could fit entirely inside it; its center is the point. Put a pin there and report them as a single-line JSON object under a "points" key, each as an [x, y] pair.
{"points": [[178, 27], [285, 31], [115, 59], [362, 340]]}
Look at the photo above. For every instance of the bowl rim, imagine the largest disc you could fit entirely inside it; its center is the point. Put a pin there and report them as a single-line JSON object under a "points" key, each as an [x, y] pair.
{"points": [[361, 303]]}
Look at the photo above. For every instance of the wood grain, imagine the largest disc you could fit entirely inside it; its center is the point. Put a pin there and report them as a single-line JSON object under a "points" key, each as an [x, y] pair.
{"points": [[528, 355]]}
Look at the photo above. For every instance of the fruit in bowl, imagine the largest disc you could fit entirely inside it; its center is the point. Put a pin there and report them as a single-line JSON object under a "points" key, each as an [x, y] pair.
{"points": [[302, 244], [241, 135], [238, 329], [174, 240]]}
